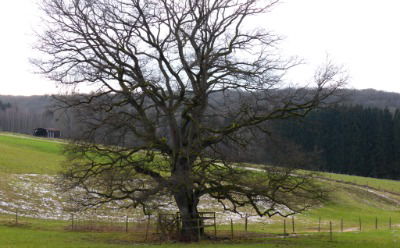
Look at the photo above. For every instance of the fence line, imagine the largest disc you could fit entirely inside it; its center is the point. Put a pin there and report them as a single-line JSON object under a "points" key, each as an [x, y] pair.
{"points": [[157, 225]]}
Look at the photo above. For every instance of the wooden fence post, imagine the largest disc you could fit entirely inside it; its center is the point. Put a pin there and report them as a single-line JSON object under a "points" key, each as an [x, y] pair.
{"points": [[147, 227], [390, 223], [215, 225], [319, 224], [231, 229], [178, 223], [198, 228], [126, 223], [245, 223], [341, 224], [293, 231], [16, 216], [376, 223], [95, 220], [72, 221], [330, 231], [158, 230], [284, 227], [359, 222]]}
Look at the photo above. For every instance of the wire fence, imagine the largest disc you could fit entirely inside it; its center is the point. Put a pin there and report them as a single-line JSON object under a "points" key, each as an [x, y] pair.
{"points": [[168, 226]]}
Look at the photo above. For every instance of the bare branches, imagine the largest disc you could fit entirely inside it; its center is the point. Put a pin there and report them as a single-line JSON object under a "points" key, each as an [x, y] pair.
{"points": [[175, 79]]}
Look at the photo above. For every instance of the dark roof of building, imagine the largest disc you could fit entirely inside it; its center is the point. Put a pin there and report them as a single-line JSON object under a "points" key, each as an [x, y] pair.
{"points": [[52, 129], [48, 129]]}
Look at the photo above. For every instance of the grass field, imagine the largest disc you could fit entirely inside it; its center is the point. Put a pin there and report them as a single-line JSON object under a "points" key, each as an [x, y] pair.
{"points": [[380, 184], [25, 161], [21, 154], [375, 183], [11, 236]]}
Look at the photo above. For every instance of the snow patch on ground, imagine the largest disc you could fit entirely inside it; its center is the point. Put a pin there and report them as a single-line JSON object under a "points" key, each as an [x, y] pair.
{"points": [[34, 195]]}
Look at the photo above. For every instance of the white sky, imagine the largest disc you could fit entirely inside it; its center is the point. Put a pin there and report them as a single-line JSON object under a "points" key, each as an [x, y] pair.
{"points": [[361, 35]]}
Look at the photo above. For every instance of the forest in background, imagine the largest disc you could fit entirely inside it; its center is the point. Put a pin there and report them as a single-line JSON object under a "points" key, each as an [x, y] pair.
{"points": [[360, 135], [355, 140]]}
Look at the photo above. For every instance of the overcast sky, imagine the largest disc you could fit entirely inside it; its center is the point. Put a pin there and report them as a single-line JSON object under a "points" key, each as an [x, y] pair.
{"points": [[361, 35]]}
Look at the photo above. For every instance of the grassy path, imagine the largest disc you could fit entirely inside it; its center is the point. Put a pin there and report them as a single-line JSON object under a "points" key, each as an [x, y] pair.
{"points": [[394, 184]]}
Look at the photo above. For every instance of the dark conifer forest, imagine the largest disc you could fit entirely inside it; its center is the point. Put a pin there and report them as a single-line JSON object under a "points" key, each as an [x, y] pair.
{"points": [[349, 139]]}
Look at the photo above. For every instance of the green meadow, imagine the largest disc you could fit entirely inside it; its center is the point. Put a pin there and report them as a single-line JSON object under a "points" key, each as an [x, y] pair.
{"points": [[350, 204], [380, 184], [22, 154], [40, 237]]}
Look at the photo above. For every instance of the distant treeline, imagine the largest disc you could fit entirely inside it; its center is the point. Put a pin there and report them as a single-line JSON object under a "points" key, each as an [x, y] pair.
{"points": [[360, 136], [350, 139], [22, 114]]}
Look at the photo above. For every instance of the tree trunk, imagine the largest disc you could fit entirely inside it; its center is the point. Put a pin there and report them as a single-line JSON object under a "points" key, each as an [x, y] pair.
{"points": [[189, 216], [187, 202]]}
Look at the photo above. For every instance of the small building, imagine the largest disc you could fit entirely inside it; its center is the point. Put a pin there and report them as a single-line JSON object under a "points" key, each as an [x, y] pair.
{"points": [[47, 132]]}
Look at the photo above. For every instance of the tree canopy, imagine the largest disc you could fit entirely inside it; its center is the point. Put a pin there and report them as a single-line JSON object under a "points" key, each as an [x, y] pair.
{"points": [[176, 83]]}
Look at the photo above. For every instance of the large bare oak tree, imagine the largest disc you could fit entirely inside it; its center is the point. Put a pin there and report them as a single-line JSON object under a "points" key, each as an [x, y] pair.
{"points": [[177, 84]]}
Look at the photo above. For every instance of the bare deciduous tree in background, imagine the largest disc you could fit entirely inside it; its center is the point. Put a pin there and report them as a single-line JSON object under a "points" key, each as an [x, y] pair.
{"points": [[177, 82]]}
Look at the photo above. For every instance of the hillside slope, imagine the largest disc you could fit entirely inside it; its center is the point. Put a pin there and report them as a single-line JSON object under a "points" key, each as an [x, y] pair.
{"points": [[22, 154], [28, 167]]}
